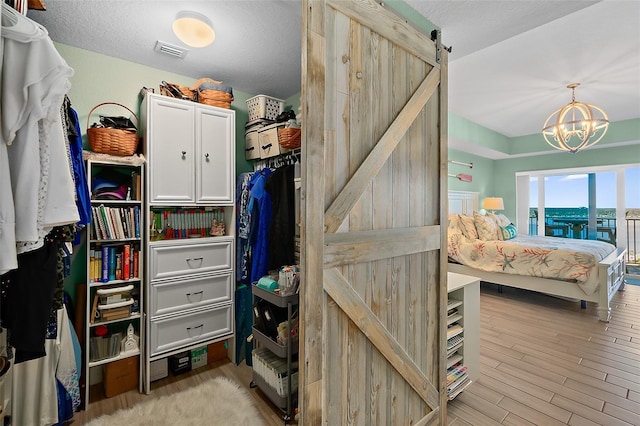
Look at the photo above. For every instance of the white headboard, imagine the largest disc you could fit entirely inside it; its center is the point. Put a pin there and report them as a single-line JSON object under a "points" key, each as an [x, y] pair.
{"points": [[463, 202]]}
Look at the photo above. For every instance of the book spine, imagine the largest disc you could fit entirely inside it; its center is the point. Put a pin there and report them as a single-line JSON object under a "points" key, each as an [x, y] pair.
{"points": [[118, 271], [136, 212], [105, 264], [112, 263], [92, 262], [126, 268], [136, 264]]}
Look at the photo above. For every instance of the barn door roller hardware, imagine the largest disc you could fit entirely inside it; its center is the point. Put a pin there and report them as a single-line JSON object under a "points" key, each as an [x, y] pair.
{"points": [[469, 165], [436, 36]]}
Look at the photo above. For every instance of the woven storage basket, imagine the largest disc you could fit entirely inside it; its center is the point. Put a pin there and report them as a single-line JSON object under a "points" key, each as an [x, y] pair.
{"points": [[120, 142], [185, 92], [289, 137], [215, 97], [218, 98]]}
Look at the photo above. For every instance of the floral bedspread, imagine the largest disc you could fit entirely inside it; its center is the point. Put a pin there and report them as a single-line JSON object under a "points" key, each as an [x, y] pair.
{"points": [[538, 256]]}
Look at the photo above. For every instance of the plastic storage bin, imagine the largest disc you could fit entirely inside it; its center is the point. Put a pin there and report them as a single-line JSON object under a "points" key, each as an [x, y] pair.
{"points": [[264, 107]]}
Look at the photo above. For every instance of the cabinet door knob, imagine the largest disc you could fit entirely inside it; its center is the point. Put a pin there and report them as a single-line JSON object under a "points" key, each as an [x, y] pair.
{"points": [[206, 156], [184, 154]]}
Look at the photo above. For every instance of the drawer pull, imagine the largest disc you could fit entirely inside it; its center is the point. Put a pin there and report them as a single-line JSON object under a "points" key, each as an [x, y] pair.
{"points": [[201, 292], [199, 259], [250, 149], [269, 145], [201, 326]]}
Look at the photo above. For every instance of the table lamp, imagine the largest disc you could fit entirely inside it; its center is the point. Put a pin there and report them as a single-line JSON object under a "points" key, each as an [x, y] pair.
{"points": [[493, 204]]}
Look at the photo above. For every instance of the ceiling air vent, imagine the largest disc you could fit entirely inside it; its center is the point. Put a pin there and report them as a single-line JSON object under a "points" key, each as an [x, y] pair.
{"points": [[170, 49]]}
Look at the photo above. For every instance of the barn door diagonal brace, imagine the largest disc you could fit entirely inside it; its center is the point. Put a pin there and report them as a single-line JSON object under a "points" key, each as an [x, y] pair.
{"points": [[436, 35]]}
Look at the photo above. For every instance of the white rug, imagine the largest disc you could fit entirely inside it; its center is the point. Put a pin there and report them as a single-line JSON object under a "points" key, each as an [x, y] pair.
{"points": [[218, 402]]}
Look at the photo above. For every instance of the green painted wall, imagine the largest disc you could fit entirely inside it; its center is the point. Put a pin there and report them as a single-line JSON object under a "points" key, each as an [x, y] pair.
{"points": [[99, 78], [482, 173]]}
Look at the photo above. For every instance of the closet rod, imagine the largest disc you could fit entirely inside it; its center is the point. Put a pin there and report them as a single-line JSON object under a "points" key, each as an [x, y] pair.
{"points": [[470, 165]]}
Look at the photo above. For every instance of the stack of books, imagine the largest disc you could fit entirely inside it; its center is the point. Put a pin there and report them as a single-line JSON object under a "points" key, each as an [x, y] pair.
{"points": [[115, 223], [113, 262], [457, 380]]}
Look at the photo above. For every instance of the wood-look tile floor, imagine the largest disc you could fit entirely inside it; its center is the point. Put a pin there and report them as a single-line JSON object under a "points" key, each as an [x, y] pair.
{"points": [[544, 361]]}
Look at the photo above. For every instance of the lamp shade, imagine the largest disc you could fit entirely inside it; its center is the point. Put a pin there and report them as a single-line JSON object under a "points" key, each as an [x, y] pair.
{"points": [[493, 203], [193, 29]]}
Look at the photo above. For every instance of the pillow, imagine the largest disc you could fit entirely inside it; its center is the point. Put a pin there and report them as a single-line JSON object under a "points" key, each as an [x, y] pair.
{"points": [[501, 219], [508, 232], [486, 227], [468, 227]]}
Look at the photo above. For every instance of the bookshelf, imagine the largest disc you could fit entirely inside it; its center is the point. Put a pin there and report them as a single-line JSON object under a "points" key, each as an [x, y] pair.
{"points": [[463, 332], [115, 257]]}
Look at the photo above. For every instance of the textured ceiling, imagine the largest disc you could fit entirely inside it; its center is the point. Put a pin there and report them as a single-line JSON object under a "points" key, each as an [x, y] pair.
{"points": [[510, 63]]}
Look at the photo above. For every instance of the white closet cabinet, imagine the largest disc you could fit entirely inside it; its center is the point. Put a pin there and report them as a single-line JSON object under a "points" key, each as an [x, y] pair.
{"points": [[190, 282], [192, 151]]}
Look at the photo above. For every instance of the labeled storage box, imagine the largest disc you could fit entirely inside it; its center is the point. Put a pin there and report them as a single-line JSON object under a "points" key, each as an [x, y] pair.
{"points": [[121, 376], [268, 141], [198, 358], [180, 363], [264, 107], [159, 369]]}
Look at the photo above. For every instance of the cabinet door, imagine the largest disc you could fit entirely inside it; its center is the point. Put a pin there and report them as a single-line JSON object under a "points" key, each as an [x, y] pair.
{"points": [[215, 142], [171, 148]]}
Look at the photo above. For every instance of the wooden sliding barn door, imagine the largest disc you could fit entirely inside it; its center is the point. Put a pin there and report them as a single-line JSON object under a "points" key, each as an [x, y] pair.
{"points": [[373, 295]]}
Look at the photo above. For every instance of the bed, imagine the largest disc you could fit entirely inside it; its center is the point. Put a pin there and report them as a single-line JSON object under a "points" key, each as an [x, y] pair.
{"points": [[591, 271]]}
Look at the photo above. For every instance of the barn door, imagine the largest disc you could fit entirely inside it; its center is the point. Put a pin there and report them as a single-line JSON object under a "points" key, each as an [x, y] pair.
{"points": [[374, 156]]}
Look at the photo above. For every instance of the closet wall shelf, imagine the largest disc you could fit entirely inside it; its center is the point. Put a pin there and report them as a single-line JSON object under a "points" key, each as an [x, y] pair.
{"points": [[101, 284], [122, 355], [129, 318], [114, 240]]}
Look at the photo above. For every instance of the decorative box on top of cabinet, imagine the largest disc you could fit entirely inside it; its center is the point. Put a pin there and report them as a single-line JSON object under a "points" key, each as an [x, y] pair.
{"points": [[191, 151], [191, 167]]}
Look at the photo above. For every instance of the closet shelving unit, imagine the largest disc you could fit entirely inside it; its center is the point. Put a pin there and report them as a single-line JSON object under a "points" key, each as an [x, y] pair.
{"points": [[126, 230], [285, 352]]}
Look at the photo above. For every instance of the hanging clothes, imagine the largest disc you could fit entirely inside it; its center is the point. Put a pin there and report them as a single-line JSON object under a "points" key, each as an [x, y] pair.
{"points": [[32, 138], [243, 226], [282, 226], [260, 207]]}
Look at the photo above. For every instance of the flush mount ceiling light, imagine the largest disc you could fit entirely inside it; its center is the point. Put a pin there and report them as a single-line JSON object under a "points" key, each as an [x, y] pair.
{"points": [[193, 29], [576, 125]]}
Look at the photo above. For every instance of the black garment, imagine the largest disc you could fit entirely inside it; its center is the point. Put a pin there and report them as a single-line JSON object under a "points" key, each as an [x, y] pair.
{"points": [[27, 299], [282, 229]]}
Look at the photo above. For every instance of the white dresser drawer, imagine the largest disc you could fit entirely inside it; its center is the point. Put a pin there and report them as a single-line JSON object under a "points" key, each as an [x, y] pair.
{"points": [[185, 330], [175, 295], [184, 258]]}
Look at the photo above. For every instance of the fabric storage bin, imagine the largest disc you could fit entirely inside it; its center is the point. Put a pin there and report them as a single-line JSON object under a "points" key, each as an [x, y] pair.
{"points": [[264, 107], [252, 145], [268, 141]]}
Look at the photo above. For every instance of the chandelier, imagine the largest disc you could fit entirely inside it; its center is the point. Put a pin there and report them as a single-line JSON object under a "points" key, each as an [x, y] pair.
{"points": [[576, 125]]}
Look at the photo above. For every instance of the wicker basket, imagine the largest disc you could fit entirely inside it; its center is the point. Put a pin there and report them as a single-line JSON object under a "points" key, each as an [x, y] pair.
{"points": [[218, 98], [289, 137], [120, 142], [179, 91]]}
